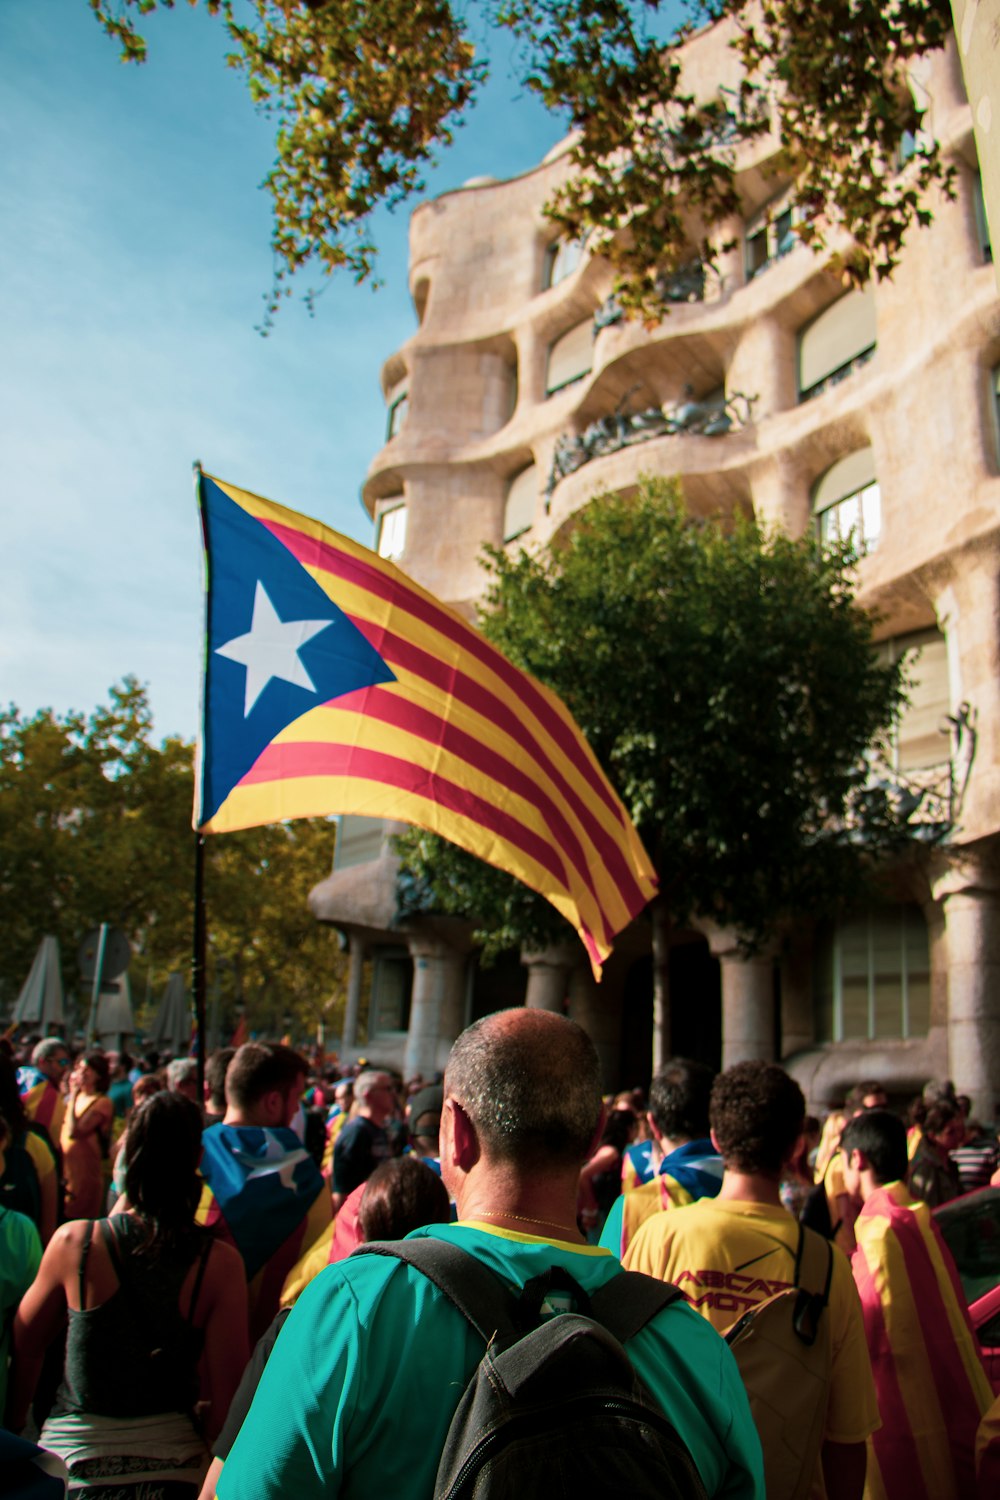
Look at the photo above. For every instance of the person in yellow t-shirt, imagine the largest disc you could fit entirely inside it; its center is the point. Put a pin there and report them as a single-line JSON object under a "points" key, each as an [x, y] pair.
{"points": [[690, 1167], [731, 1252]]}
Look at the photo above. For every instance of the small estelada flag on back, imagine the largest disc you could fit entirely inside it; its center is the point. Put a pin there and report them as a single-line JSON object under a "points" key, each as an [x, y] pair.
{"points": [[335, 684]]}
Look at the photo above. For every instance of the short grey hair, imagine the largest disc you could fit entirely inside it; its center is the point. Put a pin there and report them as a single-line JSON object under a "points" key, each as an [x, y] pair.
{"points": [[48, 1047], [182, 1070], [530, 1082], [367, 1082]]}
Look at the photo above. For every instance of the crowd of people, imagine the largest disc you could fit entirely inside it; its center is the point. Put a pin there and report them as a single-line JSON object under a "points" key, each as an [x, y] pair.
{"points": [[188, 1308]]}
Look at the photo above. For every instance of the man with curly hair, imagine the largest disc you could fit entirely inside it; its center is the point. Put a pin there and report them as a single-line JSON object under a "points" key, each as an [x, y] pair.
{"points": [[730, 1253]]}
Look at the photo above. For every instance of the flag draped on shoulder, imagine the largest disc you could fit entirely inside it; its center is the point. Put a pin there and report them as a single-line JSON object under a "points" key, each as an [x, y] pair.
{"points": [[335, 684], [932, 1389], [262, 1191]]}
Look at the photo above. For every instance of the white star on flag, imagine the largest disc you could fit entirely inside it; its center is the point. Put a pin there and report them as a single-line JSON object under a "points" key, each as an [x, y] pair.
{"points": [[270, 648]]}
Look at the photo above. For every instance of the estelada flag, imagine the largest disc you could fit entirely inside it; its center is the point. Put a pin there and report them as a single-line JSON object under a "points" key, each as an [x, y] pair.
{"points": [[262, 1191], [335, 684]]}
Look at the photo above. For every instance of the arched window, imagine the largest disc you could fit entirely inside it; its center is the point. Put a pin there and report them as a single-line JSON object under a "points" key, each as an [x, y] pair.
{"points": [[570, 357], [847, 504], [872, 976], [836, 343], [519, 508]]}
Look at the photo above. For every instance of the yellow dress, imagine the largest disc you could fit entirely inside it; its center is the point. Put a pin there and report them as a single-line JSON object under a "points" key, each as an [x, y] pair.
{"points": [[83, 1159]]}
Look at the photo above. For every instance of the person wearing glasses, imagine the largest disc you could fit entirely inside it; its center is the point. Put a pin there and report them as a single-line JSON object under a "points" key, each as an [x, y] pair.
{"points": [[41, 1084]]}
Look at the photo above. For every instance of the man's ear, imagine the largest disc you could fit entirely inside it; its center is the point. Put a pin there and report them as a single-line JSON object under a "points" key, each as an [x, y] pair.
{"points": [[273, 1107], [715, 1141], [465, 1147]]}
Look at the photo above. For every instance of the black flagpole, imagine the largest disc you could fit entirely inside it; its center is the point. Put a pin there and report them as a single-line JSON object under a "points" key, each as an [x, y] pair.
{"points": [[198, 971], [198, 957]]}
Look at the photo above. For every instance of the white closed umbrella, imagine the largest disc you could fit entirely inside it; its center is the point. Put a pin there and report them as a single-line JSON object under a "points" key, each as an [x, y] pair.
{"points": [[115, 1020], [40, 1003], [171, 1028]]}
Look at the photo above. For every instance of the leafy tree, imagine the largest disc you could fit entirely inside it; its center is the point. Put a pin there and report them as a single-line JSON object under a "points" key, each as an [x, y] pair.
{"points": [[725, 678], [95, 826], [363, 91]]}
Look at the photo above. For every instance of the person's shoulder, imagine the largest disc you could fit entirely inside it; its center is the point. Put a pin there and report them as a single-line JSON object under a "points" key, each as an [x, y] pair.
{"points": [[224, 1259]]}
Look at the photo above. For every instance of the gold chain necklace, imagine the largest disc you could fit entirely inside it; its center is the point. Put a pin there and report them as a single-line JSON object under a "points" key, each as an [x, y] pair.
{"points": [[522, 1219]]}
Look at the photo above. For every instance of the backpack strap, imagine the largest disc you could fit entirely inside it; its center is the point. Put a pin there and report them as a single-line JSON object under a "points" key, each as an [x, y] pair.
{"points": [[623, 1305], [477, 1292], [629, 1301], [813, 1276]]}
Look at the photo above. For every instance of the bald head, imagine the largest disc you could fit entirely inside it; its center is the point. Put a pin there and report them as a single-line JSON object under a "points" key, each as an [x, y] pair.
{"points": [[529, 1081]]}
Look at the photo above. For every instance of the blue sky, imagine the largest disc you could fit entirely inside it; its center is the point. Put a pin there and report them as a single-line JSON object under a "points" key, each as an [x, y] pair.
{"points": [[132, 268]]}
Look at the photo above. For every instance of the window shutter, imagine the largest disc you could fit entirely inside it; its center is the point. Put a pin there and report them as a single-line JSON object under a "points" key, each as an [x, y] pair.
{"points": [[570, 357], [838, 335], [522, 496]]}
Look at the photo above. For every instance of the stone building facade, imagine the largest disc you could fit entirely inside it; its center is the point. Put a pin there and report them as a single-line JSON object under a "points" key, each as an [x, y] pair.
{"points": [[768, 387]]}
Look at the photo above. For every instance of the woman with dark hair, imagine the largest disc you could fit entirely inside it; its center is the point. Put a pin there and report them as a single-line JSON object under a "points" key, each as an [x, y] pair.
{"points": [[29, 1183], [86, 1135], [601, 1177], [401, 1195], [157, 1313]]}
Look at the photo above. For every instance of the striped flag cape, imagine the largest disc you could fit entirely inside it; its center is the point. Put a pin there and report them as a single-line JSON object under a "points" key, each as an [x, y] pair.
{"points": [[262, 1192], [43, 1103], [932, 1389], [335, 684]]}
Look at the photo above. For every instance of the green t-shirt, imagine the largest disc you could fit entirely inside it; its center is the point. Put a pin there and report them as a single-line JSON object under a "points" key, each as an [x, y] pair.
{"points": [[358, 1394], [20, 1257]]}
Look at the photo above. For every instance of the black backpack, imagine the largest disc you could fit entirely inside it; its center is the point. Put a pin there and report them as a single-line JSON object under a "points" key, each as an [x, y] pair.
{"points": [[816, 1212], [554, 1407]]}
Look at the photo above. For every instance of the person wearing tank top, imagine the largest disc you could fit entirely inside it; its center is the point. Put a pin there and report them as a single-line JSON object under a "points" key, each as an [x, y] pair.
{"points": [[156, 1326]]}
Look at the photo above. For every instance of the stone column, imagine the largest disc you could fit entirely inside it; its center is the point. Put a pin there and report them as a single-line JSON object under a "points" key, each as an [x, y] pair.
{"points": [[549, 971], [437, 1004], [972, 944], [747, 999], [598, 1011], [355, 974]]}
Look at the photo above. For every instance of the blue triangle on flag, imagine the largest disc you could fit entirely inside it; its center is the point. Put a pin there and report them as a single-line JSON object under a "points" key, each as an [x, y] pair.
{"points": [[245, 706]]}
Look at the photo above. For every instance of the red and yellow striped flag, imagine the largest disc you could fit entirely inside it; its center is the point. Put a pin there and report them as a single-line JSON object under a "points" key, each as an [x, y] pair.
{"points": [[932, 1389], [335, 684]]}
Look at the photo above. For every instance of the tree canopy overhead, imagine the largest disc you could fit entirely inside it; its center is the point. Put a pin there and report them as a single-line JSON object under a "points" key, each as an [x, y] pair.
{"points": [[364, 91], [725, 678]]}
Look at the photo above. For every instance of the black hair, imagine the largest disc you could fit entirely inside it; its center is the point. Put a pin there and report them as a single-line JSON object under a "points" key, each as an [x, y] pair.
{"points": [[881, 1137], [11, 1103], [757, 1112], [679, 1098], [98, 1063], [162, 1152], [939, 1117], [216, 1069]]}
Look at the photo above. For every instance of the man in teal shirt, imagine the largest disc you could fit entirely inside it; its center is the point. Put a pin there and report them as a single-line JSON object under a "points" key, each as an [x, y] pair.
{"points": [[359, 1392]]}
